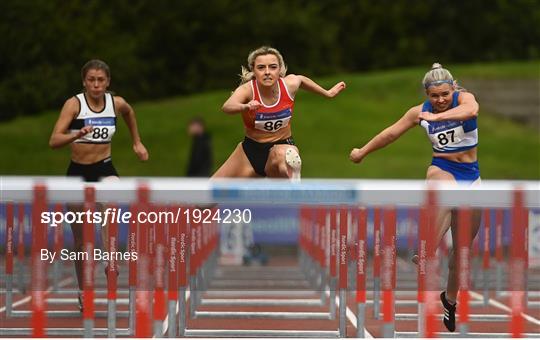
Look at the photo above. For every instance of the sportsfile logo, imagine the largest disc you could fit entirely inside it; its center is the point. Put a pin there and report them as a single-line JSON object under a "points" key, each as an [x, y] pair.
{"points": [[110, 215], [113, 215]]}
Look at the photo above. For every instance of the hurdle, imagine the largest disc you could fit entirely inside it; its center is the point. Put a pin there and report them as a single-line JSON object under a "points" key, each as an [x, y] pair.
{"points": [[38, 312], [426, 316], [344, 211]]}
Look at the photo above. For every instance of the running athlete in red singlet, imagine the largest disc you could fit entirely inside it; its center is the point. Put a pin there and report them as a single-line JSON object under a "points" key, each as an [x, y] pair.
{"points": [[266, 101]]}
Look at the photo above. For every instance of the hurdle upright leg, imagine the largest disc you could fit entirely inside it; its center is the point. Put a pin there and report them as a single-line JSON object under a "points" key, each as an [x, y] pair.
{"points": [[112, 285], [361, 271], [343, 279], [9, 257], [376, 263], [21, 263], [333, 261], [183, 239], [389, 272]]}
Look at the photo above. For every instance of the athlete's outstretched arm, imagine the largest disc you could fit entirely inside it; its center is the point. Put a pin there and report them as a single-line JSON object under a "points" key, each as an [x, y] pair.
{"points": [[59, 136], [388, 135], [129, 117], [311, 86], [240, 100], [467, 109]]}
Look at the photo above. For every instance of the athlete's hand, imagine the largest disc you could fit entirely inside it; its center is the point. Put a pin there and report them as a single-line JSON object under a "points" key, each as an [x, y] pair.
{"points": [[356, 155], [253, 105], [140, 151], [334, 91], [428, 116], [84, 131]]}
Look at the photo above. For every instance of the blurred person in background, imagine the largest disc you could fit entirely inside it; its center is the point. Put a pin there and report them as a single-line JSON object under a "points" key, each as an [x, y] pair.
{"points": [[200, 157]]}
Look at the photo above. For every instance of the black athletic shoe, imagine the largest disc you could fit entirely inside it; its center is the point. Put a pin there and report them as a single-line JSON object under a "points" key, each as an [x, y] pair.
{"points": [[449, 317], [80, 298]]}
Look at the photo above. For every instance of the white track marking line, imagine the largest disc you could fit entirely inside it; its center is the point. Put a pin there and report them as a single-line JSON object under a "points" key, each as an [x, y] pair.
{"points": [[27, 299], [166, 321], [504, 307], [351, 316]]}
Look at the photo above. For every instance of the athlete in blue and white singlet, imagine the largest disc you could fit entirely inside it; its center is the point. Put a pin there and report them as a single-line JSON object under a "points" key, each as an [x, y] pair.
{"points": [[451, 137], [449, 117]]}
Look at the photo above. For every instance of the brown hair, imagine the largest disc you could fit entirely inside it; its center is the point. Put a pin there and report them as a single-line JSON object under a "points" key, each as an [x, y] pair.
{"points": [[95, 64]]}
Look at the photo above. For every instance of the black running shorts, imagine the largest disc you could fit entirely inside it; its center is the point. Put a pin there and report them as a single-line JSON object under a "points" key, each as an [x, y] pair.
{"points": [[92, 172], [257, 153]]}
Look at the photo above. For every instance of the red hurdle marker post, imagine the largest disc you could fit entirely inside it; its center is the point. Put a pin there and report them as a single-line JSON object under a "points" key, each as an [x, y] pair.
{"points": [[172, 292], [321, 251], [159, 274], [499, 262], [377, 263], [142, 302], [38, 267], [464, 266], [361, 272], [388, 279], [343, 266], [427, 266], [183, 253], [517, 264], [21, 263], [112, 273], [132, 245], [9, 257], [192, 269], [486, 254], [88, 263], [333, 261]]}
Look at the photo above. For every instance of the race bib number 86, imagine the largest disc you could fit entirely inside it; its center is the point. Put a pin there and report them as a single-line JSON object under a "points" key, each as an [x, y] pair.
{"points": [[272, 122]]}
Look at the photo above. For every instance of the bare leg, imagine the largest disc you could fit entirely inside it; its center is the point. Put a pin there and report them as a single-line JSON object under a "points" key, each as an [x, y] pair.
{"points": [[237, 165], [77, 230], [452, 285], [277, 165], [78, 243], [442, 223]]}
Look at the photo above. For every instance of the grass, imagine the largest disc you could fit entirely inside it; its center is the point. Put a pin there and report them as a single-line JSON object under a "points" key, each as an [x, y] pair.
{"points": [[325, 131]]}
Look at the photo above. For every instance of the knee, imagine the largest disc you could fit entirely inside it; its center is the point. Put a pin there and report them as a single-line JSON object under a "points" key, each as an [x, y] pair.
{"points": [[275, 166]]}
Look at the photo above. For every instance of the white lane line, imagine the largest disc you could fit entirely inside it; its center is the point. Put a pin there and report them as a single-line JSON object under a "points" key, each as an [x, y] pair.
{"points": [[351, 316], [27, 299], [166, 321], [504, 307]]}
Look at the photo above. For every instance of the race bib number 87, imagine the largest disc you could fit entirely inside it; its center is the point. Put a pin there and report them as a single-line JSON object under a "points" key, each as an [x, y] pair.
{"points": [[448, 137]]}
